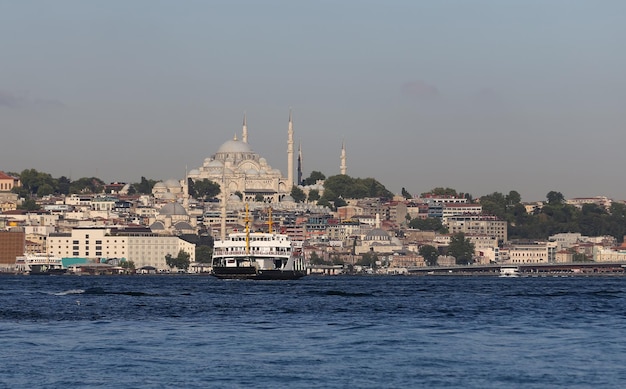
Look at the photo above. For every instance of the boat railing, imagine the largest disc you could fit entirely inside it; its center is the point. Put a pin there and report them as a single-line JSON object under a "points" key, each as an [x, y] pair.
{"points": [[220, 252]]}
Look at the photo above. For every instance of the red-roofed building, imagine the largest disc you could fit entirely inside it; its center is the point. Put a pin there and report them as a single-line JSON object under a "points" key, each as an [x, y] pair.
{"points": [[8, 182]]}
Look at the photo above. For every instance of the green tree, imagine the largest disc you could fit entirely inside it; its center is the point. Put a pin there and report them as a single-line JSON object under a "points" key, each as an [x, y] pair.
{"points": [[259, 198], [406, 194], [555, 198], [439, 191], [314, 195], [203, 189], [428, 224], [181, 261], [29, 205], [430, 254], [129, 266], [368, 259], [513, 198], [313, 178], [461, 249], [63, 185], [87, 185], [315, 259], [204, 254], [297, 194], [145, 186]]}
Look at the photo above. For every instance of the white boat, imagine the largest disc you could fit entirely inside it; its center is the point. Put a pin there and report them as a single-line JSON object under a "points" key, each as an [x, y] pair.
{"points": [[256, 255], [39, 264], [509, 271]]}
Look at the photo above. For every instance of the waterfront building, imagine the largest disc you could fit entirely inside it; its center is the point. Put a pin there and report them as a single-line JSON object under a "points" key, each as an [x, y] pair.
{"points": [[531, 252], [139, 245], [12, 245]]}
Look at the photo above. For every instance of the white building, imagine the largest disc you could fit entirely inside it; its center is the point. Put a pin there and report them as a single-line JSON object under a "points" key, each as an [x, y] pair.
{"points": [[97, 243]]}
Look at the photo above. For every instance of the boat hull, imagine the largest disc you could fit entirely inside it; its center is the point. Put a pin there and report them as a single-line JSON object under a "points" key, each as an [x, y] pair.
{"points": [[251, 273]]}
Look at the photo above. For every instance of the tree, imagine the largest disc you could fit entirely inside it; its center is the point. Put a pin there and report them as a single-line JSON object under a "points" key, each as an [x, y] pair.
{"points": [[297, 194], [439, 191], [513, 198], [314, 195], [203, 189], [239, 194], [461, 249], [259, 198], [368, 259], [406, 194], [315, 259], [428, 224], [87, 185], [29, 205], [204, 254], [313, 178], [181, 261], [430, 254], [145, 186], [555, 198], [129, 266]]}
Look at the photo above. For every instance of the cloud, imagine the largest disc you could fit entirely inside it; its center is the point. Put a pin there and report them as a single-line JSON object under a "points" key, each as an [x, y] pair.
{"points": [[14, 101], [419, 90]]}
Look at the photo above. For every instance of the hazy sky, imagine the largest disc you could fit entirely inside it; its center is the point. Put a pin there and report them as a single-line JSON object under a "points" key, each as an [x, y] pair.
{"points": [[480, 96]]}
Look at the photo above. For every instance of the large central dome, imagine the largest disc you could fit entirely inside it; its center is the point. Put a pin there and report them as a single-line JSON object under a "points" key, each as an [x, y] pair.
{"points": [[235, 146]]}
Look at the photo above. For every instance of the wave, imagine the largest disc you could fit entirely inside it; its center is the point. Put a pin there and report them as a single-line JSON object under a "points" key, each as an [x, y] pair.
{"points": [[101, 291]]}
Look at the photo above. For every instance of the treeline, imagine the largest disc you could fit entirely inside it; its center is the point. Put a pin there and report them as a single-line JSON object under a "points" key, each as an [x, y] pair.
{"points": [[35, 183], [555, 217]]}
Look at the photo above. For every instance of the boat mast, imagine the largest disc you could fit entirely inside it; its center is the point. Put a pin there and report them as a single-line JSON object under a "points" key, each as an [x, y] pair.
{"points": [[247, 222]]}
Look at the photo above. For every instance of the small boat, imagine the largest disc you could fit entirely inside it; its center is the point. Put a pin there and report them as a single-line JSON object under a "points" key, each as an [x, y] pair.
{"points": [[509, 271], [256, 256]]}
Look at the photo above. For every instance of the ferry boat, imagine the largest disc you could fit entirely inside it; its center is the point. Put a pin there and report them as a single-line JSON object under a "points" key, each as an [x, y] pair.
{"points": [[40, 264], [256, 256]]}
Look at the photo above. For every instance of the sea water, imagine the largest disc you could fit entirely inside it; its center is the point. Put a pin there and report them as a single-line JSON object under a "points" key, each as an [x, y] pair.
{"points": [[317, 332]]}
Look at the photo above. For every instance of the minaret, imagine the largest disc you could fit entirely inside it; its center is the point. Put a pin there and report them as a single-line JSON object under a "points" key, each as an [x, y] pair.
{"points": [[290, 150], [299, 163], [244, 135], [343, 166]]}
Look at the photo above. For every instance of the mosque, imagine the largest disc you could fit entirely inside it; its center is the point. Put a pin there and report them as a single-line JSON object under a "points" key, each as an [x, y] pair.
{"points": [[237, 168]]}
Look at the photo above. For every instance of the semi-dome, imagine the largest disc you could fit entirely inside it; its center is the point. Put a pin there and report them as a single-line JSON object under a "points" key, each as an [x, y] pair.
{"points": [[159, 185], [234, 146]]}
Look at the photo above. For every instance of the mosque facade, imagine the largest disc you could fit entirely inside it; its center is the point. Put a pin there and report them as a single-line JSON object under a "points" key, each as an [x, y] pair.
{"points": [[237, 168]]}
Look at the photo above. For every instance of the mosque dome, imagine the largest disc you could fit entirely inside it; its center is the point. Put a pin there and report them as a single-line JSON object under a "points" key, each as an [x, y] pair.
{"points": [[172, 184], [214, 164], [234, 146], [194, 172], [159, 186], [172, 209], [234, 198], [287, 199], [183, 226], [167, 196], [157, 226], [377, 234]]}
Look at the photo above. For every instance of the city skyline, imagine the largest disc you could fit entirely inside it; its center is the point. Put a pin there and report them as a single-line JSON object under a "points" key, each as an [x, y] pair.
{"points": [[479, 97]]}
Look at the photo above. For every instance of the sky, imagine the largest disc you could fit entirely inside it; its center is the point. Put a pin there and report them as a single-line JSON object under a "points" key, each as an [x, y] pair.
{"points": [[480, 96]]}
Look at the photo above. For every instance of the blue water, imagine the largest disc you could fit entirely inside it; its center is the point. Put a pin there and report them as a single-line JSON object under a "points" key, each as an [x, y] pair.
{"points": [[317, 332]]}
